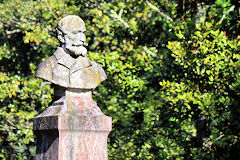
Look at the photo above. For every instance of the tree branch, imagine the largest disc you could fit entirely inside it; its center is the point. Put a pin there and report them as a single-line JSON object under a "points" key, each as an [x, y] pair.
{"points": [[224, 15], [161, 13], [48, 8], [13, 31], [118, 17]]}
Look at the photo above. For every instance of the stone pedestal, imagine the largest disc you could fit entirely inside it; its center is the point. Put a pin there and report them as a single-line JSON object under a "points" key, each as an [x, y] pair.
{"points": [[73, 128]]}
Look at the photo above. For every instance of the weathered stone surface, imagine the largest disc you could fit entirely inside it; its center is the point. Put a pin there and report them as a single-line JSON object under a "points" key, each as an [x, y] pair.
{"points": [[48, 144], [76, 130], [63, 70], [68, 67], [71, 23], [73, 127]]}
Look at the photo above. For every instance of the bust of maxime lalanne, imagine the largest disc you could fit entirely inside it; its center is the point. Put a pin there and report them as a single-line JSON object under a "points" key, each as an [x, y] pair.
{"points": [[82, 128], [69, 67]]}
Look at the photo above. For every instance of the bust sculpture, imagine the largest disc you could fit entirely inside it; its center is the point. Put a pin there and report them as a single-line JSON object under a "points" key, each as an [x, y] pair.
{"points": [[69, 67], [73, 127]]}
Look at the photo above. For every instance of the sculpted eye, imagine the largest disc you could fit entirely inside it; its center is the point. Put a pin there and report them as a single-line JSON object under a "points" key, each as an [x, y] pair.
{"points": [[75, 32]]}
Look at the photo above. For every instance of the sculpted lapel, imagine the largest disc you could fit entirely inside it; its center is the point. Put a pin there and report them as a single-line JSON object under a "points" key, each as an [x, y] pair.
{"points": [[84, 74], [80, 63], [65, 71], [61, 69]]}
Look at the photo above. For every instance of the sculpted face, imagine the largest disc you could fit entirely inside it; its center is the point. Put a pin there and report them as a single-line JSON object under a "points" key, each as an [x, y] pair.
{"points": [[75, 42], [71, 32]]}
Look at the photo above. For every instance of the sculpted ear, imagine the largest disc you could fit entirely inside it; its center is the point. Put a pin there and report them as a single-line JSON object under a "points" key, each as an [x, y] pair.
{"points": [[60, 36]]}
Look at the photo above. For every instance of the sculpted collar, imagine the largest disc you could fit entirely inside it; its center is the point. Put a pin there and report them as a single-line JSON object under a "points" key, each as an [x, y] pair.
{"points": [[71, 63], [64, 58]]}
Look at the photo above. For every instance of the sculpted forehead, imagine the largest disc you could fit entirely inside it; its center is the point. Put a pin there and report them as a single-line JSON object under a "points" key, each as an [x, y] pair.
{"points": [[71, 23]]}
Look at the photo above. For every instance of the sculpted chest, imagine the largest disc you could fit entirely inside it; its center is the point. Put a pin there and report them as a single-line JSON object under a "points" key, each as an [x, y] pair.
{"points": [[79, 74], [68, 72]]}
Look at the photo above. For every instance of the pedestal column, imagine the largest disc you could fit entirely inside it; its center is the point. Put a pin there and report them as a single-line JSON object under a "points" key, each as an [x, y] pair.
{"points": [[73, 128]]}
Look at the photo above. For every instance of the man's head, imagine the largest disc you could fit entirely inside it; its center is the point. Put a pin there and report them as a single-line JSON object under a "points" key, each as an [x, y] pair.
{"points": [[71, 33]]}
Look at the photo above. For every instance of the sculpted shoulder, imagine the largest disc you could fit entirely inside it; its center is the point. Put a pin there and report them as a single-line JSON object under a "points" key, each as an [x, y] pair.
{"points": [[100, 70], [63, 70], [88, 77], [44, 69]]}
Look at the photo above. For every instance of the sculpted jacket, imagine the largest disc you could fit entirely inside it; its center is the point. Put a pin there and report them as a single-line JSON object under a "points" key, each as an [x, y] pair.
{"points": [[63, 70]]}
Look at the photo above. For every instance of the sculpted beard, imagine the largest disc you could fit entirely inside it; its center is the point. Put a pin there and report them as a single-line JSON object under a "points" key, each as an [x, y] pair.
{"points": [[76, 50]]}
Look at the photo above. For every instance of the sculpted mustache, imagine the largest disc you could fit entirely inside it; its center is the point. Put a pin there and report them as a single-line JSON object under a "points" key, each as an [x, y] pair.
{"points": [[80, 44]]}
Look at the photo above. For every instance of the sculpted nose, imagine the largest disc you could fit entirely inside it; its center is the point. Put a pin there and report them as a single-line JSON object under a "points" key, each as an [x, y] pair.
{"points": [[82, 37]]}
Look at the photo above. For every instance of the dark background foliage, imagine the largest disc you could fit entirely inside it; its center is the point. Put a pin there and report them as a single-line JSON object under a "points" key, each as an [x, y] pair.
{"points": [[172, 66]]}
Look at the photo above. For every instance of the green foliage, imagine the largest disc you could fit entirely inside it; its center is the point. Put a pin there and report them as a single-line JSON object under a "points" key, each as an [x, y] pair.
{"points": [[210, 64], [172, 67], [21, 99]]}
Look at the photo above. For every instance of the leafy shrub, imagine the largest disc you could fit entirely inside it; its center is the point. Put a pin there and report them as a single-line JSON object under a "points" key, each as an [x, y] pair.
{"points": [[172, 68]]}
